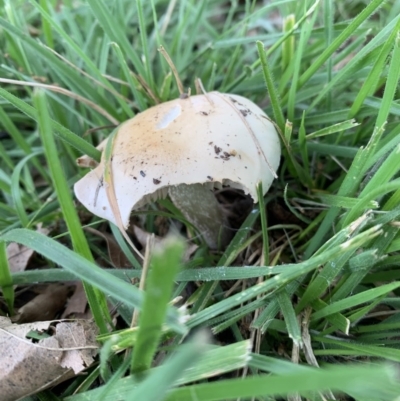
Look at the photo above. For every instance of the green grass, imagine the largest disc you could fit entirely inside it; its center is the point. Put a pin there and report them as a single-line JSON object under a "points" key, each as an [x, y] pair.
{"points": [[311, 275]]}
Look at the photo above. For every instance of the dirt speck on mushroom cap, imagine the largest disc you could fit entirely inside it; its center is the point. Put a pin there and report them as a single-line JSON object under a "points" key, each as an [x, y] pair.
{"points": [[174, 143]]}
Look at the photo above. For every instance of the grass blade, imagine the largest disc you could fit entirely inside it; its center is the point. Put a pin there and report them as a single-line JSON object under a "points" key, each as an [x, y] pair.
{"points": [[213, 361], [278, 114], [344, 35], [164, 266], [6, 283], [355, 300], [96, 298], [365, 381], [114, 31], [85, 270], [169, 373], [289, 314], [64, 133]]}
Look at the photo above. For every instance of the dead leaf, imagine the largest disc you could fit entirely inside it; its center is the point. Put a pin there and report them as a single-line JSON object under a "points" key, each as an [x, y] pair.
{"points": [[74, 335], [44, 306], [76, 305], [19, 255], [29, 367]]}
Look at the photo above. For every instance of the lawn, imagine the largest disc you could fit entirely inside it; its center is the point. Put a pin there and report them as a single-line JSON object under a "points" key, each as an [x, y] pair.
{"points": [[294, 295]]}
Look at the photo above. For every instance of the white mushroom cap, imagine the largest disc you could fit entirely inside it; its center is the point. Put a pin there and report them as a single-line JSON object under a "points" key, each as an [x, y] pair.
{"points": [[215, 139]]}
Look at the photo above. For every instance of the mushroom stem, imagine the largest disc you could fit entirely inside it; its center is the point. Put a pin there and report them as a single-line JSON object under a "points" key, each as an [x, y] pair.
{"points": [[200, 207]]}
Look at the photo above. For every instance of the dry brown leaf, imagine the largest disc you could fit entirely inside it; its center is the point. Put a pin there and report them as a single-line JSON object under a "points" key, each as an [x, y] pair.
{"points": [[29, 367], [18, 255], [44, 306], [74, 335], [76, 305]]}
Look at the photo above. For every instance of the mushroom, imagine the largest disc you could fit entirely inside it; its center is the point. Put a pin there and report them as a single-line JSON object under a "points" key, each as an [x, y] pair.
{"points": [[184, 148]]}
